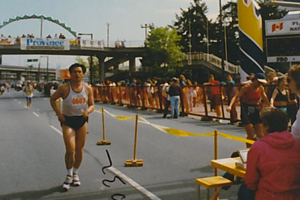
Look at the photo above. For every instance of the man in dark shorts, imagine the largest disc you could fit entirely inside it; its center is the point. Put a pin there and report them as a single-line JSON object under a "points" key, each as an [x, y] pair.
{"points": [[78, 103]]}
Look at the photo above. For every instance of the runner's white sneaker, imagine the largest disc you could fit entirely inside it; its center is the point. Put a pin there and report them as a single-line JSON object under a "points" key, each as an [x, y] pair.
{"points": [[76, 181], [67, 183]]}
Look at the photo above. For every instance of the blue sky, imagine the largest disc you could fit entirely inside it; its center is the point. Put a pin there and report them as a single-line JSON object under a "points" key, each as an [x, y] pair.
{"points": [[91, 16]]}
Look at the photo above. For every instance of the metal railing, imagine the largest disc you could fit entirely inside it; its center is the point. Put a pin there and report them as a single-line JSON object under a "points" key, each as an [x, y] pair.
{"points": [[216, 61]]}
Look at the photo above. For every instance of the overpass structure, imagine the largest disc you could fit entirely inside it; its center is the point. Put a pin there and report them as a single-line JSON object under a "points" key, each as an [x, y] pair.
{"points": [[108, 57], [15, 73]]}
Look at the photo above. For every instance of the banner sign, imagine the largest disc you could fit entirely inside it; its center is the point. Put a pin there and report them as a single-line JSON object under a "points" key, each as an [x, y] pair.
{"points": [[91, 44], [64, 74], [44, 44], [282, 27]]}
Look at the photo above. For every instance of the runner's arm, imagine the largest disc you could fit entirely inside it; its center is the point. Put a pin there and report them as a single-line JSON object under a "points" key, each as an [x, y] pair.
{"points": [[236, 98], [56, 95], [91, 105], [264, 96], [273, 97]]}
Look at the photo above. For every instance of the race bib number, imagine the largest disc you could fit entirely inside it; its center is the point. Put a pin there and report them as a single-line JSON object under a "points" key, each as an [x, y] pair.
{"points": [[78, 100], [251, 110]]}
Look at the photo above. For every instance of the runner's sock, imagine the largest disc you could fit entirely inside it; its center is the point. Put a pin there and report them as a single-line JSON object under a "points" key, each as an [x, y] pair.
{"points": [[70, 172], [75, 171]]}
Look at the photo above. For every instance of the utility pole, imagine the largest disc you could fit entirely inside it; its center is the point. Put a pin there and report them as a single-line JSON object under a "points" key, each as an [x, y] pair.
{"points": [[91, 57], [107, 24], [146, 26]]}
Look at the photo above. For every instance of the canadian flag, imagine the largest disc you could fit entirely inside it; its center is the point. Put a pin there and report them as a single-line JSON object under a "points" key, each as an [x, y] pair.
{"points": [[278, 26]]}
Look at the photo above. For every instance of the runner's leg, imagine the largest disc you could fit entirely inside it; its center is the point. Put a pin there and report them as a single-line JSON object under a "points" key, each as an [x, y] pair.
{"points": [[79, 144], [69, 139]]}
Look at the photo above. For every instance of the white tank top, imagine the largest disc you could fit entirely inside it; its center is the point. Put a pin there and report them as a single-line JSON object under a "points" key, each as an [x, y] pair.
{"points": [[28, 91], [75, 103]]}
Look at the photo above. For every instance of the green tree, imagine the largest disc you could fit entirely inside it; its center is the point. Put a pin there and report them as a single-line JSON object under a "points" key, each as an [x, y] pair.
{"points": [[164, 53], [87, 62], [192, 25]]}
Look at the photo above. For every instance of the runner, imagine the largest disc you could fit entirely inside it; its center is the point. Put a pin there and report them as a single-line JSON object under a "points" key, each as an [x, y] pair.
{"points": [[28, 89], [251, 96], [78, 103]]}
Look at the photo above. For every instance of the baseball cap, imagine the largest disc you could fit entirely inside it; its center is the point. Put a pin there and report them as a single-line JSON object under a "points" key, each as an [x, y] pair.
{"points": [[260, 77], [174, 79]]}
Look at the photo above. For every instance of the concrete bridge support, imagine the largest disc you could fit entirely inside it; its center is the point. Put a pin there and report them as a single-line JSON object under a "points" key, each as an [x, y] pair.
{"points": [[19, 75], [132, 67], [116, 68], [101, 67]]}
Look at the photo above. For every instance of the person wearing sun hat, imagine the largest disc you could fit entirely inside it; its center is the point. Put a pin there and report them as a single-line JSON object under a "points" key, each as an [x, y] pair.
{"points": [[251, 96]]}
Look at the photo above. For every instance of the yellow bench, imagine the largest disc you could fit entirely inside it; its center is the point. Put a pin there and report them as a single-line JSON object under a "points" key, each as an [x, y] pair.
{"points": [[212, 182]]}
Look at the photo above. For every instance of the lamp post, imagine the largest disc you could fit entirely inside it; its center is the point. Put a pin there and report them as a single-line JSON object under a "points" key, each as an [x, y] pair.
{"points": [[222, 40], [225, 36], [47, 71], [190, 44], [41, 33], [206, 39], [91, 58]]}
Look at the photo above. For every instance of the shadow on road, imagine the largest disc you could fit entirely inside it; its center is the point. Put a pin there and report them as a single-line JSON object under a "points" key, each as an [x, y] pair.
{"points": [[32, 194]]}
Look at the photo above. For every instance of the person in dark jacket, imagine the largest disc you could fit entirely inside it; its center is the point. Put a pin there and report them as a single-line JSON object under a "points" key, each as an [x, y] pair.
{"points": [[175, 93]]}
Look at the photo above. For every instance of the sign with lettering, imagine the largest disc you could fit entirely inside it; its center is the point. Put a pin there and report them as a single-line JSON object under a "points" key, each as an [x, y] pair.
{"points": [[91, 44], [282, 27], [44, 44]]}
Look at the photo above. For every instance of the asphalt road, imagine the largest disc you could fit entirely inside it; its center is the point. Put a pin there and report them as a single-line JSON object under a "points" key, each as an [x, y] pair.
{"points": [[32, 154]]}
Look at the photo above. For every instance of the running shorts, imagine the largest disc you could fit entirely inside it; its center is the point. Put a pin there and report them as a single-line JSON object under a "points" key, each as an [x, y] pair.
{"points": [[75, 122], [250, 114]]}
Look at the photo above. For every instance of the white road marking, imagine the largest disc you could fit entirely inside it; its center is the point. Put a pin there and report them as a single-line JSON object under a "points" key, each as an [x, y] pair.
{"points": [[58, 131], [133, 184], [124, 177], [35, 114]]}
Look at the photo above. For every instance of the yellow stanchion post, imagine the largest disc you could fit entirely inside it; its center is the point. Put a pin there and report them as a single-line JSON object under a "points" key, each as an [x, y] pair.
{"points": [[103, 142], [216, 155], [216, 149], [135, 162]]}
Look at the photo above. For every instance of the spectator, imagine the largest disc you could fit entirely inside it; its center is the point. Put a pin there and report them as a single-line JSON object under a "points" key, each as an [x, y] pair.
{"points": [[215, 92], [249, 79], [190, 94], [175, 93], [230, 92], [273, 163], [271, 84], [281, 96], [166, 97], [61, 36], [183, 97]]}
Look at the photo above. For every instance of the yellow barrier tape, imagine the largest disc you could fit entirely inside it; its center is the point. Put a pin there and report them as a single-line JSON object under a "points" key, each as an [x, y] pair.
{"points": [[236, 138], [124, 118], [185, 133], [180, 133]]}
